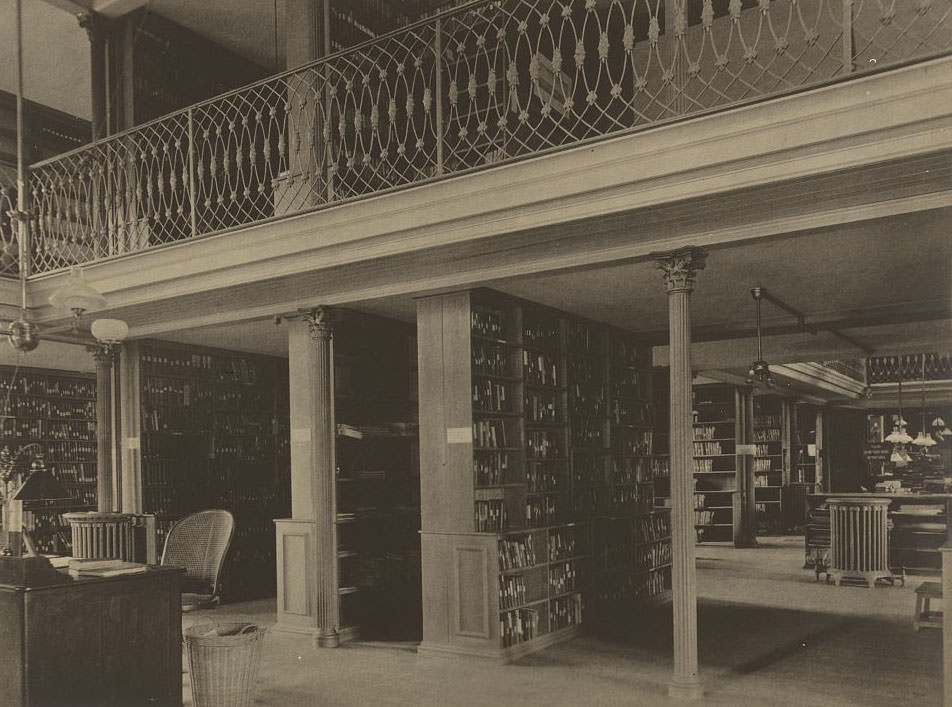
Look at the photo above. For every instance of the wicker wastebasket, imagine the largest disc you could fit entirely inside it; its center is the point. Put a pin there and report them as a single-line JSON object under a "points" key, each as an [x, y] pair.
{"points": [[223, 660]]}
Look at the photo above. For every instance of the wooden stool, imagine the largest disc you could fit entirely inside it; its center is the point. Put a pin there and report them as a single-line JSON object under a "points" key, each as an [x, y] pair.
{"points": [[925, 617]]}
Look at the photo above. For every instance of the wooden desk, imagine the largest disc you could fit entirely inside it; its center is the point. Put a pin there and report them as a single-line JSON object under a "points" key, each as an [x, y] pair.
{"points": [[93, 641]]}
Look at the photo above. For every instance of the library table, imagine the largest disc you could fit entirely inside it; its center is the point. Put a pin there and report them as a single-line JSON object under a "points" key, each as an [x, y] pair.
{"points": [[92, 640]]}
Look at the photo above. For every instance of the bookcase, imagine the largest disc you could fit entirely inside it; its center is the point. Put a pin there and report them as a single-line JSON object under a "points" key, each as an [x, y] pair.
{"points": [[213, 434], [57, 411], [537, 476], [378, 510], [717, 466], [771, 440]]}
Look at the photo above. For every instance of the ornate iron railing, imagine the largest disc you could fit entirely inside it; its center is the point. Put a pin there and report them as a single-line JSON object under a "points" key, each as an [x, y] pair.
{"points": [[909, 368], [486, 82]]}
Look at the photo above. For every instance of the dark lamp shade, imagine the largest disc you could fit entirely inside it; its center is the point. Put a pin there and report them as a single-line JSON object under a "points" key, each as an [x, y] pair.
{"points": [[41, 486]]}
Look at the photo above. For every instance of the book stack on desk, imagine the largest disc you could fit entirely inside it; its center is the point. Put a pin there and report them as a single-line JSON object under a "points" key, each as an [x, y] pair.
{"points": [[104, 568]]}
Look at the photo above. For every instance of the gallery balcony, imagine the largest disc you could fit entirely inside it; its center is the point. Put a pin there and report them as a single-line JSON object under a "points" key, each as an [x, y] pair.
{"points": [[484, 84]]}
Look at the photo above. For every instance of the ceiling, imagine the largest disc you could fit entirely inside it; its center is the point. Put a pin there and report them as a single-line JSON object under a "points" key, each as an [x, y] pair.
{"points": [[867, 279]]}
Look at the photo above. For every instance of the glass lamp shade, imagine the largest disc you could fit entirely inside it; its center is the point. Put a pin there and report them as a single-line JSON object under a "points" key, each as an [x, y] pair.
{"points": [[109, 331], [893, 437], [22, 335], [923, 440], [76, 295]]}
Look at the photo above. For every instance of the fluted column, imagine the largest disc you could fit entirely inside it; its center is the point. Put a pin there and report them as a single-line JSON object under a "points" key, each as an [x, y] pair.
{"points": [[307, 542], [679, 268], [325, 465], [103, 356]]}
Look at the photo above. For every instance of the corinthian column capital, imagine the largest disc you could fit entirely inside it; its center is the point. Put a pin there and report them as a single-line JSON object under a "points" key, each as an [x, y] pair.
{"points": [[320, 322], [680, 267], [101, 353]]}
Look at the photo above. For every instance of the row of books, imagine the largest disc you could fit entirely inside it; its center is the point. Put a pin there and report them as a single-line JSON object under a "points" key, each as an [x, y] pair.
{"points": [[541, 511], [490, 515], [486, 324], [703, 449], [516, 552], [653, 555], [771, 434], [565, 612], [491, 469], [490, 433], [490, 359], [542, 407], [542, 477], [491, 396], [562, 578], [518, 626], [540, 369], [561, 543], [512, 591]]}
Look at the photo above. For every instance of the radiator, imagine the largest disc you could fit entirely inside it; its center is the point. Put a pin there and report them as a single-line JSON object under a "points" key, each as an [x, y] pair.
{"points": [[112, 536], [859, 539]]}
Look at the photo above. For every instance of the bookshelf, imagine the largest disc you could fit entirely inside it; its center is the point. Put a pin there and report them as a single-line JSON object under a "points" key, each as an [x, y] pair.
{"points": [[377, 483], [213, 435], [536, 435], [57, 411], [771, 441], [717, 467]]}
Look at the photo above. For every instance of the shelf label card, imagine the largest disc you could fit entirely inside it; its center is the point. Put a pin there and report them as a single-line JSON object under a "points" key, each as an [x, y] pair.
{"points": [[132, 443], [750, 449], [459, 435], [301, 434]]}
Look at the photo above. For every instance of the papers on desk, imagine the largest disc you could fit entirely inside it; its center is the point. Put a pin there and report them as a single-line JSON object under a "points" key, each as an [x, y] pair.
{"points": [[105, 568], [59, 561]]}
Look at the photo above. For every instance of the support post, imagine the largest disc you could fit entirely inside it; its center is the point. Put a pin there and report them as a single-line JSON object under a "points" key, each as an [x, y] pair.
{"points": [[679, 268], [102, 355], [307, 542], [946, 623], [96, 30]]}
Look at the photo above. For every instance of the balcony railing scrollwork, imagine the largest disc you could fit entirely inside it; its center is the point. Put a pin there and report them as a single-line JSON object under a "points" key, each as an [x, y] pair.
{"points": [[483, 83]]}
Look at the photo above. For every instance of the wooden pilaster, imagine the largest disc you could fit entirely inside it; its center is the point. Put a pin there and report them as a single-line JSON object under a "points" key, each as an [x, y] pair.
{"points": [[307, 542]]}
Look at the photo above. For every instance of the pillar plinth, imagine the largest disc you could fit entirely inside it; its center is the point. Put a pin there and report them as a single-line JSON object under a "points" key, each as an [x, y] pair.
{"points": [[307, 542], [679, 269]]}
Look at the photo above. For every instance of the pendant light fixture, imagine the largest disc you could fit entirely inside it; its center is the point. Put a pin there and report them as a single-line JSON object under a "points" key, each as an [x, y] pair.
{"points": [[759, 370], [923, 441], [899, 438], [21, 333]]}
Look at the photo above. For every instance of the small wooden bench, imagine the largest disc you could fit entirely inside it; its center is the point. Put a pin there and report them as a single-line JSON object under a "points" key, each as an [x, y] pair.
{"points": [[924, 616]]}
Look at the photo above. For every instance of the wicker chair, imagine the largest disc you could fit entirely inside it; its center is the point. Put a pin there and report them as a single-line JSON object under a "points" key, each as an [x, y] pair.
{"points": [[199, 543]]}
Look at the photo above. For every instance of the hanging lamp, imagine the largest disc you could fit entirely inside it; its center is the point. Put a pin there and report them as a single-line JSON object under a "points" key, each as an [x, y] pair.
{"points": [[759, 370], [923, 441], [21, 333], [899, 438]]}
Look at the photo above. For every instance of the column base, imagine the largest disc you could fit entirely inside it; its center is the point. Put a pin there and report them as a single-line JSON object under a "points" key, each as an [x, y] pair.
{"points": [[328, 640], [686, 688]]}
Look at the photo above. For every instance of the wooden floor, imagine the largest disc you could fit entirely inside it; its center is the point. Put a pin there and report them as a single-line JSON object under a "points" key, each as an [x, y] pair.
{"points": [[769, 634]]}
